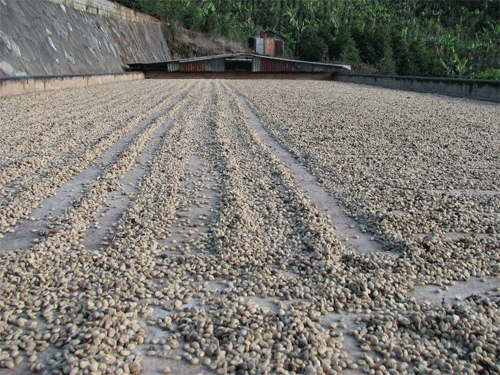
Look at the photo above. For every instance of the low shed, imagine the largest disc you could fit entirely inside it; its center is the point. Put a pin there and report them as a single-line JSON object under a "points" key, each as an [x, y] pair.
{"points": [[238, 62]]}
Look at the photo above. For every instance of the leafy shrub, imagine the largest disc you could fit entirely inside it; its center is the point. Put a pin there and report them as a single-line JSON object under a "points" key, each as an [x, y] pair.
{"points": [[311, 46], [487, 74]]}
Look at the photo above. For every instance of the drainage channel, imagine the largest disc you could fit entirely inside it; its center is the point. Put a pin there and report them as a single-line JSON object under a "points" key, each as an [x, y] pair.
{"points": [[119, 200], [346, 227], [197, 199], [452, 292]]}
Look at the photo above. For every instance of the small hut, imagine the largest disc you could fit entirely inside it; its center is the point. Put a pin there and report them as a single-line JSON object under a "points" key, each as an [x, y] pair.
{"points": [[267, 43]]}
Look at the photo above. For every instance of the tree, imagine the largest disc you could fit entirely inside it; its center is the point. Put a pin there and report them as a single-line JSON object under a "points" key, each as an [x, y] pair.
{"points": [[311, 47], [350, 52], [387, 65], [365, 40], [423, 60], [383, 51], [400, 51]]}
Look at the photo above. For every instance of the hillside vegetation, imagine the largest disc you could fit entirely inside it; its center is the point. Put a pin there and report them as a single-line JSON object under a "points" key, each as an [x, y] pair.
{"points": [[457, 38]]}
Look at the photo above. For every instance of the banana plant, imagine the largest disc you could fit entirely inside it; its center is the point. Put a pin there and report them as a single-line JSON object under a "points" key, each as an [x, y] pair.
{"points": [[456, 67]]}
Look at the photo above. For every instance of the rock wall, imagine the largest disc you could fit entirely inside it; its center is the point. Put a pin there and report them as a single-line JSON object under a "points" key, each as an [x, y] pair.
{"points": [[106, 8], [39, 37]]}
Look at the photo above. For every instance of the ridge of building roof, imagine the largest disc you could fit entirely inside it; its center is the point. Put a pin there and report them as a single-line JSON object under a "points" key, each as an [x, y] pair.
{"points": [[348, 67], [189, 59]]}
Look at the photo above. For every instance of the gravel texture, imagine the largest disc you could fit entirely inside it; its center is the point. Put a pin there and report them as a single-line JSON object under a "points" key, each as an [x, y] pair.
{"points": [[248, 227]]}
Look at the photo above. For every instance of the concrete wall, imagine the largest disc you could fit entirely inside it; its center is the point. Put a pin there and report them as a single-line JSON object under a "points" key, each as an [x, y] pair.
{"points": [[464, 88], [106, 8], [23, 85], [38, 37]]}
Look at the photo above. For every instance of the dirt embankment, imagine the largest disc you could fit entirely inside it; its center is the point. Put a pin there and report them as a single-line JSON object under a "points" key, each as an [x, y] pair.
{"points": [[185, 43]]}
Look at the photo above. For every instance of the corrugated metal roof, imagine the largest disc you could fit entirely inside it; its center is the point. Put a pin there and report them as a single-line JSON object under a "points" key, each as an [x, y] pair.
{"points": [[348, 67], [200, 58], [213, 57], [215, 65], [159, 64], [255, 65]]}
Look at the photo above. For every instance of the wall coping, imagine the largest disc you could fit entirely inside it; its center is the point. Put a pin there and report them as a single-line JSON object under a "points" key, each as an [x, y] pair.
{"points": [[12, 86], [491, 82], [477, 89], [49, 76]]}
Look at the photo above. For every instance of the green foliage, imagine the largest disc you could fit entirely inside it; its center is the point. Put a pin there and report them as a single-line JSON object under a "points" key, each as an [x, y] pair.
{"points": [[169, 32], [311, 46], [423, 60], [457, 38], [455, 67], [387, 65], [487, 74], [350, 52], [400, 51], [133, 4]]}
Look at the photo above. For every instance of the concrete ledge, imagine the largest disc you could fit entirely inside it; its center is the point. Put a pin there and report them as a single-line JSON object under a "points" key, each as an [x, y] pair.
{"points": [[10, 86], [463, 88]]}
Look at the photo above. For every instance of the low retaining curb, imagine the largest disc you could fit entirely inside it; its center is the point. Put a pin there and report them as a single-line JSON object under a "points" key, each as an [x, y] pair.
{"points": [[464, 88], [10, 86]]}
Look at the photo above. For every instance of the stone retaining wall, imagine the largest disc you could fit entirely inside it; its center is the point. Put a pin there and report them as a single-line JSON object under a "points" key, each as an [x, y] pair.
{"points": [[107, 8]]}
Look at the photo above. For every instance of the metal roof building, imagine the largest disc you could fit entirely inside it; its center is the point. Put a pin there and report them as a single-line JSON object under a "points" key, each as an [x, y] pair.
{"points": [[237, 62]]}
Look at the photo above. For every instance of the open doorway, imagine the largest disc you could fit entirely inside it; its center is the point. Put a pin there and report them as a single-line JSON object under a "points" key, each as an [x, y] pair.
{"points": [[238, 65]]}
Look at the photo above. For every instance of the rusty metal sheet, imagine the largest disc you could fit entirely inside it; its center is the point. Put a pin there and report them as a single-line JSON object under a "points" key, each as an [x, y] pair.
{"points": [[269, 50], [268, 65], [278, 48], [287, 66], [192, 66]]}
